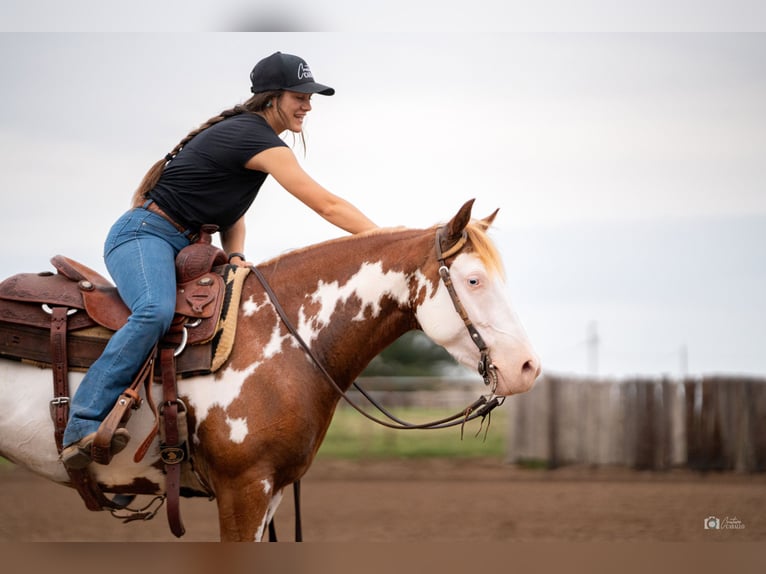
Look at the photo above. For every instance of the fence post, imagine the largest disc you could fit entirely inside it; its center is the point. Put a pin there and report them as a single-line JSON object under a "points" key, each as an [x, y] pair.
{"points": [[554, 416], [677, 430], [645, 443], [756, 436]]}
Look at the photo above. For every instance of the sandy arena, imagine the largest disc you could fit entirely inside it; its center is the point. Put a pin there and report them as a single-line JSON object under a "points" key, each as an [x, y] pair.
{"points": [[432, 501]]}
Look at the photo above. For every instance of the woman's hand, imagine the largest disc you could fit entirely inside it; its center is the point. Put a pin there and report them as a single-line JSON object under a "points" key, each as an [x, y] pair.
{"points": [[239, 260], [233, 242], [280, 163]]}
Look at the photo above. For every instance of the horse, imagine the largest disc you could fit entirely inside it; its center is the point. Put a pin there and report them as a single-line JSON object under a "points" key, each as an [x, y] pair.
{"points": [[256, 424]]}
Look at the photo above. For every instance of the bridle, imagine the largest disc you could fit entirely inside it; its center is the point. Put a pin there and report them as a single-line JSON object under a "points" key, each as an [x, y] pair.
{"points": [[482, 407], [486, 368]]}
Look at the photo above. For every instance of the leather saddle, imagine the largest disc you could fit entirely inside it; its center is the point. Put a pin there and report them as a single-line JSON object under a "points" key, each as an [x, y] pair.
{"points": [[63, 321], [95, 310]]}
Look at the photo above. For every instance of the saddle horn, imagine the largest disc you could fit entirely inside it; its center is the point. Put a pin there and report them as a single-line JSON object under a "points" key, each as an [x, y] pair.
{"points": [[199, 257]]}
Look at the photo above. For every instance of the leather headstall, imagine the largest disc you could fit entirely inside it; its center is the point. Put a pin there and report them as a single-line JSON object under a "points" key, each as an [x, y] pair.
{"points": [[486, 368]]}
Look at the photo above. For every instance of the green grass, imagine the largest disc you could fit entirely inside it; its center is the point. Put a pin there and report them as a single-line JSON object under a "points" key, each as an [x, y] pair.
{"points": [[353, 436]]}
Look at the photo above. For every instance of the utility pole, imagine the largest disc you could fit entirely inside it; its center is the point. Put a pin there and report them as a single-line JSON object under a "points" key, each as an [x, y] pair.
{"points": [[592, 342], [684, 361]]}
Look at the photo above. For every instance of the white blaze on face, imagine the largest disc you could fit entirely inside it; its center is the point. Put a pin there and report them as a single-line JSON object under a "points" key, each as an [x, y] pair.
{"points": [[483, 297]]}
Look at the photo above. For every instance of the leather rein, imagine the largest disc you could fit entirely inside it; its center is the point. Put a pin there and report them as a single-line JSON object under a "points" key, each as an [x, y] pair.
{"points": [[482, 407]]}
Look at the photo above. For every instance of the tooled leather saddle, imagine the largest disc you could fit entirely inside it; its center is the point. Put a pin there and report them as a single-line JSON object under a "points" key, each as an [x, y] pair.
{"points": [[64, 320], [94, 309]]}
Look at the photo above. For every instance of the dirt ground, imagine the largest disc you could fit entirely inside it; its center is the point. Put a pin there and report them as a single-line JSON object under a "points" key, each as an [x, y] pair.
{"points": [[433, 501]]}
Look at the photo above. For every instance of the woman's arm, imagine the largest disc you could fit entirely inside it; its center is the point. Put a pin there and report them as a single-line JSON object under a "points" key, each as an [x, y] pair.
{"points": [[233, 241], [281, 164]]}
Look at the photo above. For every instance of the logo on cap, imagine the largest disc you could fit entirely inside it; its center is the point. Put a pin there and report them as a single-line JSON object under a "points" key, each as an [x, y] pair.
{"points": [[304, 72]]}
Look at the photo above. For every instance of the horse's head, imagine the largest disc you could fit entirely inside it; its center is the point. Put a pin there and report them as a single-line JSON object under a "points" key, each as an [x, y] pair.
{"points": [[476, 273]]}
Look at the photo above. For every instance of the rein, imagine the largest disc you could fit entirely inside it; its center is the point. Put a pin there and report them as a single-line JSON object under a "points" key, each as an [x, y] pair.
{"points": [[482, 407]]}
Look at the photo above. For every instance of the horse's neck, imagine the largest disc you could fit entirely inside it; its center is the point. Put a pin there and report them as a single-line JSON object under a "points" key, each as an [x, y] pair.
{"points": [[348, 297]]}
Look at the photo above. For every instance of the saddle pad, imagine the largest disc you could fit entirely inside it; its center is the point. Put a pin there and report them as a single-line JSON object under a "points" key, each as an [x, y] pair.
{"points": [[234, 277]]}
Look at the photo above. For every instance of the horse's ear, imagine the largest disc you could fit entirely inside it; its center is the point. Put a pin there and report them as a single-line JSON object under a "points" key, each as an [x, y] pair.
{"points": [[457, 224], [487, 221]]}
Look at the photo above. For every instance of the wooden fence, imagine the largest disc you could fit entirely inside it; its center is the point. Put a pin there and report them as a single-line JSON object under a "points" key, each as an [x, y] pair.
{"points": [[710, 423]]}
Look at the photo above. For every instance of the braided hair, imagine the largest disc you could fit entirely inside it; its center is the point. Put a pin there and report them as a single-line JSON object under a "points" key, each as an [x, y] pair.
{"points": [[257, 103]]}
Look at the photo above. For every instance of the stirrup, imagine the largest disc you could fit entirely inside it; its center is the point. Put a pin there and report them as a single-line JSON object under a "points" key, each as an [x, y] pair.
{"points": [[78, 455]]}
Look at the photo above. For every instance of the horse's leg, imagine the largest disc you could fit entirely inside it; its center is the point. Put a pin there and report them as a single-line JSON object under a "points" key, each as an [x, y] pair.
{"points": [[245, 506]]}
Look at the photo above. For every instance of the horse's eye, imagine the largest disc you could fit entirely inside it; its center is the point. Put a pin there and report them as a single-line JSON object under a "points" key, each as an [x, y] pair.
{"points": [[473, 282]]}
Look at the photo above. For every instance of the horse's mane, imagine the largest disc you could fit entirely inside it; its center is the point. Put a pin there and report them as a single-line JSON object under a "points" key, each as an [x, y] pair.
{"points": [[484, 248], [482, 244]]}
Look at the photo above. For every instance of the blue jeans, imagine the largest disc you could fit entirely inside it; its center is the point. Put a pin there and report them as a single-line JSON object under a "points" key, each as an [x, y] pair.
{"points": [[140, 253]]}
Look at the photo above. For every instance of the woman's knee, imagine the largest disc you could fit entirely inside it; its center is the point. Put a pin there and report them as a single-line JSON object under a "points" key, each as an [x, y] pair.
{"points": [[154, 318]]}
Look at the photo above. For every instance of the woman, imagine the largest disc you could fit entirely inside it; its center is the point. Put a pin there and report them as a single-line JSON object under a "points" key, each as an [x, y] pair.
{"points": [[211, 177]]}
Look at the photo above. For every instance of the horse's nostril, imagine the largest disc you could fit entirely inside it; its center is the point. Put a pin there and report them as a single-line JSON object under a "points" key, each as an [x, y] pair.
{"points": [[530, 367], [526, 367]]}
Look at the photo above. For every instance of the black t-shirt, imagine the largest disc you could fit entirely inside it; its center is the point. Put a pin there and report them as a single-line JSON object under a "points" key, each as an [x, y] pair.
{"points": [[207, 182]]}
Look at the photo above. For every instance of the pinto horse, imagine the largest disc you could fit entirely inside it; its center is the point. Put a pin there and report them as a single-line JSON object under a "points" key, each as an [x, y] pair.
{"points": [[256, 424]]}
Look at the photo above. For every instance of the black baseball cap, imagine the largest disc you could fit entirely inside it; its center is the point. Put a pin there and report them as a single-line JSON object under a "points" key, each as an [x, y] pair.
{"points": [[285, 72]]}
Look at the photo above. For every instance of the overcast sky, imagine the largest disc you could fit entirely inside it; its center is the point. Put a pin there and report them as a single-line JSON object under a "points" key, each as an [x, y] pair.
{"points": [[629, 168]]}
